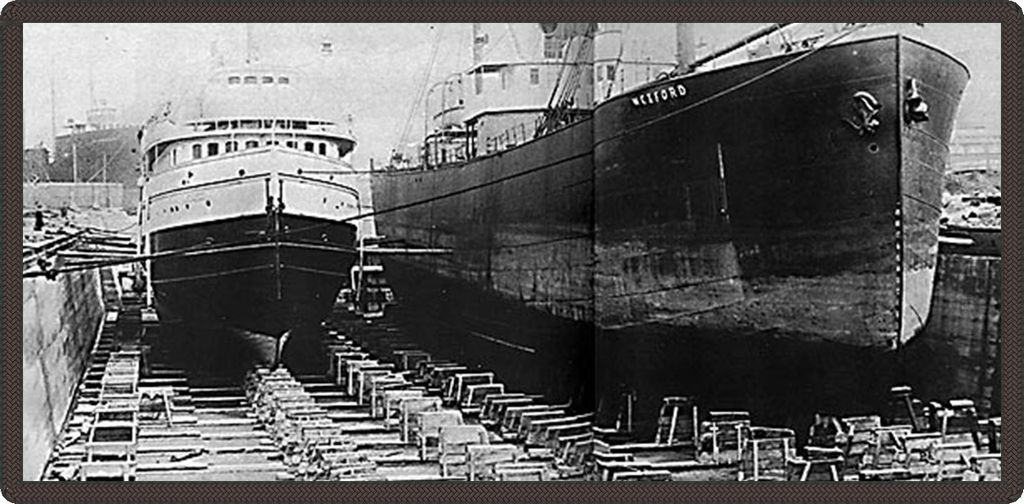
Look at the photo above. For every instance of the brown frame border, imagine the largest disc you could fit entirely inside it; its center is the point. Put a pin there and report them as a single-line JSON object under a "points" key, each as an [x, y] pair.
{"points": [[993, 11]]}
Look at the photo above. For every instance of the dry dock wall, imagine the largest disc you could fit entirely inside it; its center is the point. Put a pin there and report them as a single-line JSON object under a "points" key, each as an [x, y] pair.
{"points": [[61, 318], [58, 194], [957, 352]]}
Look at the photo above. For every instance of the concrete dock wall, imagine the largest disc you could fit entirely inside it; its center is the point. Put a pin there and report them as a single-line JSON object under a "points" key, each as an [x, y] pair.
{"points": [[61, 320], [957, 353], [57, 194]]}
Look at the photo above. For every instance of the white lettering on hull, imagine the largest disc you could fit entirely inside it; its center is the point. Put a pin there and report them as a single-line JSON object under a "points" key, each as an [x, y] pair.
{"points": [[667, 93]]}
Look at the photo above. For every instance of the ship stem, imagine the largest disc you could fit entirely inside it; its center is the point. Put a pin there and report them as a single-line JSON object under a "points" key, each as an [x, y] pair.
{"points": [[277, 240]]}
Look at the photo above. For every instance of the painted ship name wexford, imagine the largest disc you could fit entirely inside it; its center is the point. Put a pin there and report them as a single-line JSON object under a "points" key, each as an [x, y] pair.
{"points": [[659, 95]]}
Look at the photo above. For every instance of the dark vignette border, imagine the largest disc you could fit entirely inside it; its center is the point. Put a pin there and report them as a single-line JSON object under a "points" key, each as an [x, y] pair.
{"points": [[991, 11]]}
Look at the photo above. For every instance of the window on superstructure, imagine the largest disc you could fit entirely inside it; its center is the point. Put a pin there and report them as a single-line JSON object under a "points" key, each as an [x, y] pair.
{"points": [[234, 79], [299, 125], [250, 79], [212, 148], [252, 144], [308, 147], [323, 149], [197, 151], [174, 156], [268, 79], [230, 146], [283, 80], [534, 76], [291, 144], [552, 47], [610, 69]]}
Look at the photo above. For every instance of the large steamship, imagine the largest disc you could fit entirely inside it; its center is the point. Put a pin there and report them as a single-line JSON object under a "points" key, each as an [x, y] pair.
{"points": [[245, 205], [786, 186]]}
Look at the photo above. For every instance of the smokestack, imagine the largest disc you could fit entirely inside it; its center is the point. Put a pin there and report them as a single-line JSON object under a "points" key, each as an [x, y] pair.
{"points": [[479, 41], [686, 49]]}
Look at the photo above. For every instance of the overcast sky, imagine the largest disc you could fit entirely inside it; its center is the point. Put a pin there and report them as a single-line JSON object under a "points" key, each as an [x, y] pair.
{"points": [[378, 70]]}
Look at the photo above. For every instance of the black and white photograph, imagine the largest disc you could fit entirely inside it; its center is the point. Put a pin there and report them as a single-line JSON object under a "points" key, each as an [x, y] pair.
{"points": [[511, 252]]}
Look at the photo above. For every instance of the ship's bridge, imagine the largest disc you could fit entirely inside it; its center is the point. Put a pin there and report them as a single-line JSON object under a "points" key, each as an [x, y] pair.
{"points": [[267, 91], [246, 108]]}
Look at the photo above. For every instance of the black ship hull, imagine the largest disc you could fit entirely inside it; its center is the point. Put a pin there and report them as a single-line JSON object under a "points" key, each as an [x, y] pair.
{"points": [[776, 207], [775, 212], [235, 274], [773, 208]]}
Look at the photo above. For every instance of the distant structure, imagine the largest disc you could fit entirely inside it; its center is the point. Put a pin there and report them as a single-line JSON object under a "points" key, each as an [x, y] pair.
{"points": [[976, 148], [101, 149], [972, 189], [35, 166], [975, 162]]}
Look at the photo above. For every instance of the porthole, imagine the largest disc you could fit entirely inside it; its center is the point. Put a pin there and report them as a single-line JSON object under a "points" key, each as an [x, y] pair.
{"points": [[873, 148], [241, 173], [208, 203]]}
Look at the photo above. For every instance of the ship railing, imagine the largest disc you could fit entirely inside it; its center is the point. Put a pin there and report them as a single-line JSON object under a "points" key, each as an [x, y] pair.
{"points": [[509, 137]]}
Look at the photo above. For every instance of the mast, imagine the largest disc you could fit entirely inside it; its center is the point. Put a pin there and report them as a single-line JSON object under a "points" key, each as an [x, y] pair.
{"points": [[251, 50], [685, 47], [53, 111], [92, 85], [479, 41]]}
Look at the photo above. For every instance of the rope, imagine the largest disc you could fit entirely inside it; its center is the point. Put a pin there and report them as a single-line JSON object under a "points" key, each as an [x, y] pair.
{"points": [[423, 86]]}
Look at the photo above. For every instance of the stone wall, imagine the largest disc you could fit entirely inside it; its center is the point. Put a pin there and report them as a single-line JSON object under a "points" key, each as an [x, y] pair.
{"points": [[58, 194], [957, 353], [61, 319]]}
